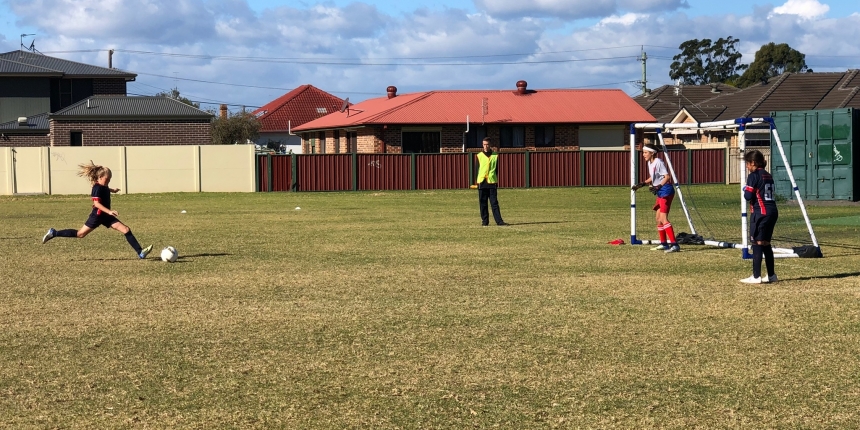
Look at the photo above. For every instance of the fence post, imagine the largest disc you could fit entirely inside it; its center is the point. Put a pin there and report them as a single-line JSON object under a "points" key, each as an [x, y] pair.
{"points": [[269, 174], [689, 166], [294, 172], [470, 167], [414, 171], [581, 168], [354, 171], [257, 172], [528, 178]]}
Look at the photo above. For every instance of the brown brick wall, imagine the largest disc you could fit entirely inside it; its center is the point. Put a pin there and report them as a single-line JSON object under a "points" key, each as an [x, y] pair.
{"points": [[132, 133], [107, 86], [22, 140]]}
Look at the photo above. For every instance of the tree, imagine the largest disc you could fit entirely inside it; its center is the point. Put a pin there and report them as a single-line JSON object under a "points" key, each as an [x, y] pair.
{"points": [[773, 60], [174, 94], [703, 62], [237, 128]]}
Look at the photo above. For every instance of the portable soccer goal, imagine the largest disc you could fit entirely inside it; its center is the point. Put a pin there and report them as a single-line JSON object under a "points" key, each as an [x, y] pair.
{"points": [[711, 209]]}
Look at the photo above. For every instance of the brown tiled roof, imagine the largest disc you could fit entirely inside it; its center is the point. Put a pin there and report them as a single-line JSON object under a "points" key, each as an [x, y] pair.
{"points": [[845, 94], [787, 92], [664, 104]]}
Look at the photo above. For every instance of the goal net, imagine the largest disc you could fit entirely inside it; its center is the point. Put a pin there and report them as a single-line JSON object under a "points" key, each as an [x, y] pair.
{"points": [[715, 214]]}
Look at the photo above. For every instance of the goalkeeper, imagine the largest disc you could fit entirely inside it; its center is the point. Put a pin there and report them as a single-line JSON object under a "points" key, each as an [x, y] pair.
{"points": [[660, 184]]}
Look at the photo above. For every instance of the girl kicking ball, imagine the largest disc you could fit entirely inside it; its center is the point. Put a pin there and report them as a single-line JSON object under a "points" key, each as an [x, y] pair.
{"points": [[102, 214]]}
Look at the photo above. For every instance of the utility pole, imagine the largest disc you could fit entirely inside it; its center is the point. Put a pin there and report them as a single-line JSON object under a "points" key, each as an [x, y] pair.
{"points": [[644, 82]]}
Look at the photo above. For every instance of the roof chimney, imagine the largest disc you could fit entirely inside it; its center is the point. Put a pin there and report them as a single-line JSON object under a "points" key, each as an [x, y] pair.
{"points": [[392, 91], [522, 87], [223, 111]]}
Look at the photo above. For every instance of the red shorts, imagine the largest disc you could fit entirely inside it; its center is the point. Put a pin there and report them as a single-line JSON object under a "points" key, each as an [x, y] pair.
{"points": [[663, 204]]}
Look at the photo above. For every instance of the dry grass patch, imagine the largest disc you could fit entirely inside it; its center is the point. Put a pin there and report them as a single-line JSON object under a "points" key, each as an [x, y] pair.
{"points": [[397, 310]]}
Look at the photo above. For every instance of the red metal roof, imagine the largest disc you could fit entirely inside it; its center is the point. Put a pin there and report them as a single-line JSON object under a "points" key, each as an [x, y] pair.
{"points": [[303, 104], [502, 107]]}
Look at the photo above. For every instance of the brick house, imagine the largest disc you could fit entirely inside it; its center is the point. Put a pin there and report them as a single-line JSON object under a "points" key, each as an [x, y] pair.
{"points": [[47, 101], [519, 119], [786, 92], [299, 106]]}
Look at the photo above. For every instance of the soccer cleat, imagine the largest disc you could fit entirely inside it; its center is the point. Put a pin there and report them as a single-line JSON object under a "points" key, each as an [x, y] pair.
{"points": [[49, 235], [769, 279], [751, 280], [144, 252], [673, 248], [660, 248]]}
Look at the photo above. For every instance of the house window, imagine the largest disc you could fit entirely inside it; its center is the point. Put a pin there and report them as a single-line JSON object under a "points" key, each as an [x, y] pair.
{"points": [[512, 137], [65, 93], [76, 138], [321, 137], [544, 135], [422, 142], [475, 136]]}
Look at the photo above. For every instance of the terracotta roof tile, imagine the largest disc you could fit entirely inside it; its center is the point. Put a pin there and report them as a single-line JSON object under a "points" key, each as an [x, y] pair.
{"points": [[299, 106], [502, 107]]}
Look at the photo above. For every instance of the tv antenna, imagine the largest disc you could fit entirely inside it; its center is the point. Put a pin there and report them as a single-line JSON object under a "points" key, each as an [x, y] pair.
{"points": [[32, 47]]}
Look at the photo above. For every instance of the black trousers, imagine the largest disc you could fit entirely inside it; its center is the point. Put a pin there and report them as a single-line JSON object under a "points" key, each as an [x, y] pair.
{"points": [[489, 194]]}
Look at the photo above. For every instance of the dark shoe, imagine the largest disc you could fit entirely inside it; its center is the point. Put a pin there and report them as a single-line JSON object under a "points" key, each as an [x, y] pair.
{"points": [[485, 225], [502, 224]]}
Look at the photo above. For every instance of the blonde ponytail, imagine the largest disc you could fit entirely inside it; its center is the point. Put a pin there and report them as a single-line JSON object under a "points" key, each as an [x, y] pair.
{"points": [[92, 171]]}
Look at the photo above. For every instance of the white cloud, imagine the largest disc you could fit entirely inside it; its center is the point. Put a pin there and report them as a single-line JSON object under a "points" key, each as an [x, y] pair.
{"points": [[804, 9], [551, 52], [154, 21], [626, 19], [573, 9]]}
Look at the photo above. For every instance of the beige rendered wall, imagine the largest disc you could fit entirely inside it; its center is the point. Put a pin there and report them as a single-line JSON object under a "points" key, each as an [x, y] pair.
{"points": [[64, 163], [153, 169], [28, 167], [136, 169], [227, 168], [6, 177]]}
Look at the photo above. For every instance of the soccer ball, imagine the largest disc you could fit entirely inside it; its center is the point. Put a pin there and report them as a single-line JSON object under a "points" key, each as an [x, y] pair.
{"points": [[169, 254]]}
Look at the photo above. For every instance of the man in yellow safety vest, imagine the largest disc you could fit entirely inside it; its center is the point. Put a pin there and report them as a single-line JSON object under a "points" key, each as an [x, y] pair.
{"points": [[488, 184]]}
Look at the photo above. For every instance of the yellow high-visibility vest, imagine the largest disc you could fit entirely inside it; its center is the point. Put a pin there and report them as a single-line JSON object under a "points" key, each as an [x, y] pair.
{"points": [[487, 168]]}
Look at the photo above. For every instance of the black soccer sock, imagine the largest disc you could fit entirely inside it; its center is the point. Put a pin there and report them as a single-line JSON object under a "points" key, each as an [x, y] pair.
{"points": [[133, 242], [757, 252], [69, 232], [768, 259]]}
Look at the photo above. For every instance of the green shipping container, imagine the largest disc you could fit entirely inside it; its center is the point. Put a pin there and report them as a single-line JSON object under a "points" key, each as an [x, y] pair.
{"points": [[819, 146]]}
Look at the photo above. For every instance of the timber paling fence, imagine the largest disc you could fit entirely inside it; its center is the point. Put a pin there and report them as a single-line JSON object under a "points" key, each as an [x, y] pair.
{"points": [[366, 172]]}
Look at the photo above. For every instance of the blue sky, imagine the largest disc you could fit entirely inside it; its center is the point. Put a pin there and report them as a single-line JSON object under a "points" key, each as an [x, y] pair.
{"points": [[248, 52]]}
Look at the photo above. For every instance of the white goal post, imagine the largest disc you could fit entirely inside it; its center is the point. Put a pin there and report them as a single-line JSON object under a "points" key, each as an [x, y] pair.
{"points": [[742, 241]]}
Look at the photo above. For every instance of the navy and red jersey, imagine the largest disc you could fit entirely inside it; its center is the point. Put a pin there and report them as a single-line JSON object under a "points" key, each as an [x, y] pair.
{"points": [[759, 191], [100, 194]]}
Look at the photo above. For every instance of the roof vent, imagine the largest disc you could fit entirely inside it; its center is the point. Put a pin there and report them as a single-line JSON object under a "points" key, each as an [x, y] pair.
{"points": [[22, 121], [322, 110], [392, 91], [522, 87], [715, 87]]}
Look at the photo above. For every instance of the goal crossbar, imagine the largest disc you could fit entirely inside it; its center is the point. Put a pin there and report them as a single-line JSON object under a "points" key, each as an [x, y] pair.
{"points": [[739, 125]]}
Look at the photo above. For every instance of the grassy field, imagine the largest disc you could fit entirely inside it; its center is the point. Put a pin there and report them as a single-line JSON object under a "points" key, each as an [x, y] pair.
{"points": [[398, 310]]}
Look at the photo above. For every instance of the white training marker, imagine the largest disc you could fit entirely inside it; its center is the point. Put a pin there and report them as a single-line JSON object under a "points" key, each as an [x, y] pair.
{"points": [[297, 208], [182, 212]]}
